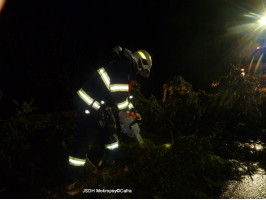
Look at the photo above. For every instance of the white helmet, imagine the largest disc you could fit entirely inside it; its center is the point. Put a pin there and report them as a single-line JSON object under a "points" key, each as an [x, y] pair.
{"points": [[144, 62]]}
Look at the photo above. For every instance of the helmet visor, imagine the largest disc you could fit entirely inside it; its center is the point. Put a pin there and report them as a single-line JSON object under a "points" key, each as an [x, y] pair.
{"points": [[145, 73]]}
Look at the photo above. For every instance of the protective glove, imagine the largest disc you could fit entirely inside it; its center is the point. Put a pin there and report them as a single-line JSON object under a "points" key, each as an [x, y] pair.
{"points": [[136, 116], [117, 50]]}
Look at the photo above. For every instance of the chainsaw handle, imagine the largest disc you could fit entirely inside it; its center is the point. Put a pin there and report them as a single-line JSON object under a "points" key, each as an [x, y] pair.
{"points": [[135, 116], [134, 122]]}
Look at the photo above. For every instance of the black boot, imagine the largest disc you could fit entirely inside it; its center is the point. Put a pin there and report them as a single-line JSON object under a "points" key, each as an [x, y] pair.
{"points": [[75, 172], [111, 157]]}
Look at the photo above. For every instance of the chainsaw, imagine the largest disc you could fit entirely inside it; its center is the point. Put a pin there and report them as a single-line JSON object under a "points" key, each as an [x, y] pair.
{"points": [[129, 125]]}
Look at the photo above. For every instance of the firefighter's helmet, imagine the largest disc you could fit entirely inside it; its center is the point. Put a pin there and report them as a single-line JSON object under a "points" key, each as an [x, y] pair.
{"points": [[144, 62]]}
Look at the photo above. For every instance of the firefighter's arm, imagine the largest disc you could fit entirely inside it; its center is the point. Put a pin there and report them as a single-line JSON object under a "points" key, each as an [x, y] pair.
{"points": [[118, 52], [122, 101]]}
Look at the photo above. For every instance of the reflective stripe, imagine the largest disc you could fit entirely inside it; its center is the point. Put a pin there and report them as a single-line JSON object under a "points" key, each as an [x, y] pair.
{"points": [[104, 76], [112, 146], [87, 111], [76, 161], [122, 105], [96, 105], [112, 87], [130, 106], [142, 55], [83, 95], [119, 87]]}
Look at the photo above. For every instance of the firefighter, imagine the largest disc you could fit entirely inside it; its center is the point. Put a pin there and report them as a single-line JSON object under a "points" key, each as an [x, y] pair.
{"points": [[107, 87]]}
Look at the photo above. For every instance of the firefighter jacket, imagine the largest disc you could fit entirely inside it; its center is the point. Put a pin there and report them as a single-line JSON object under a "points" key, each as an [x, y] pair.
{"points": [[109, 84]]}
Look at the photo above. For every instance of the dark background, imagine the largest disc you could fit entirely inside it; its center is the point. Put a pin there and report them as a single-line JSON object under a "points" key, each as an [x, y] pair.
{"points": [[49, 48]]}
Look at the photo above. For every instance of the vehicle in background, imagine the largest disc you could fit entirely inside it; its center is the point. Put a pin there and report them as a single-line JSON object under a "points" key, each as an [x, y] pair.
{"points": [[257, 66]]}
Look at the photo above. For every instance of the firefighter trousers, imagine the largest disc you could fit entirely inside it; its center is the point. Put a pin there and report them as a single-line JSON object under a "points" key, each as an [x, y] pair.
{"points": [[93, 127]]}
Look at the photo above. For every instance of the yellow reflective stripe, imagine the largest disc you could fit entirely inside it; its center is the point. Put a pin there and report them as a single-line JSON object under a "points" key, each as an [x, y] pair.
{"points": [[142, 55], [76, 161], [130, 106], [122, 105], [96, 105], [112, 87], [112, 146], [104, 76], [85, 97], [119, 87]]}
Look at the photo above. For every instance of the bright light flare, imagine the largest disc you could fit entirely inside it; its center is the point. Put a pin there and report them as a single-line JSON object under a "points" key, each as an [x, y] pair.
{"points": [[258, 25], [262, 21], [253, 28]]}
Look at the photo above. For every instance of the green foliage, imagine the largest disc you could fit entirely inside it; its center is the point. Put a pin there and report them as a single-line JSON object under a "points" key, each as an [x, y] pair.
{"points": [[224, 119], [14, 146], [33, 148], [237, 98], [182, 104], [14, 143], [24, 107], [14, 132], [186, 170], [180, 111]]}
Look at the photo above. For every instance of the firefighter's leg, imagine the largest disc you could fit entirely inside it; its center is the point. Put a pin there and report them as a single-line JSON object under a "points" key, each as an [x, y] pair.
{"points": [[86, 134], [108, 133]]}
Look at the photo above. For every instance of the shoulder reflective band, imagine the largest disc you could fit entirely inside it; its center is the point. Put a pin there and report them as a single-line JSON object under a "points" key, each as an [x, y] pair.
{"points": [[112, 146], [76, 161], [142, 55], [112, 87], [119, 87], [83, 95], [122, 105], [130, 106], [104, 76]]}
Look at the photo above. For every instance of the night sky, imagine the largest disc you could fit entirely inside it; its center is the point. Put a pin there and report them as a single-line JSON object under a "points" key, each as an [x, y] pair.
{"points": [[48, 48]]}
